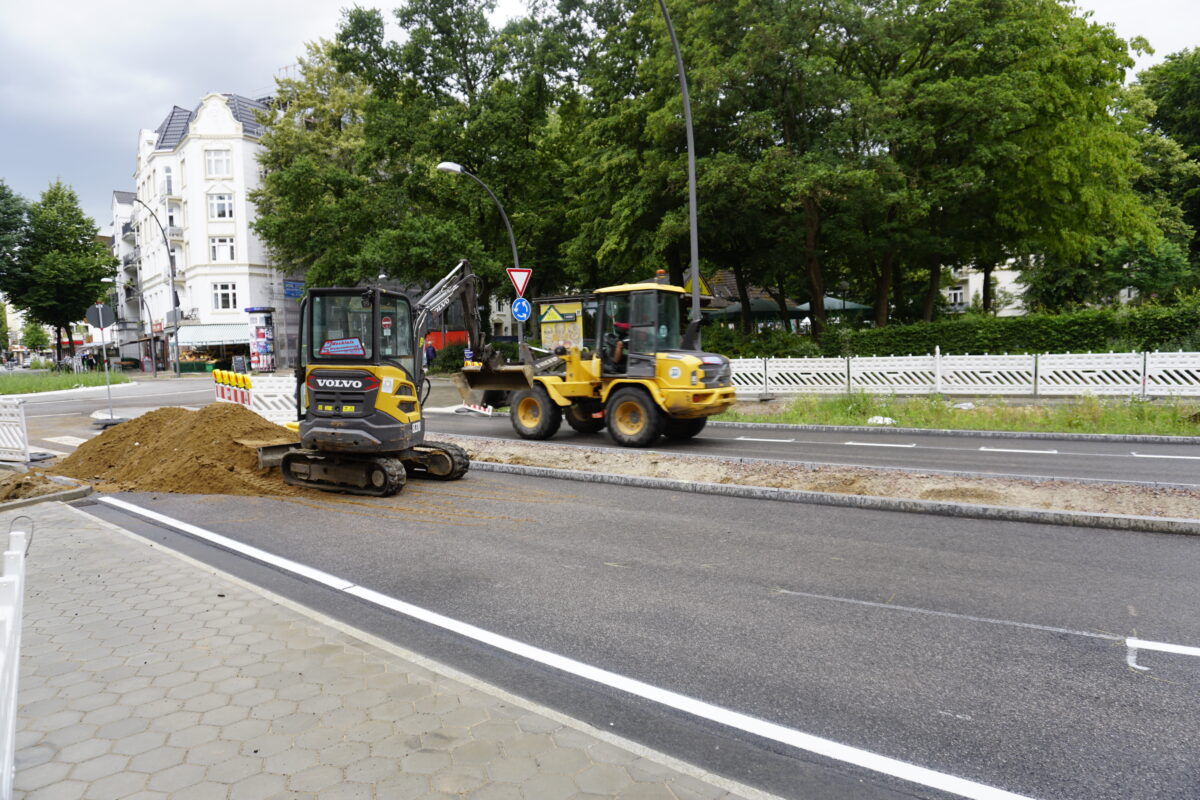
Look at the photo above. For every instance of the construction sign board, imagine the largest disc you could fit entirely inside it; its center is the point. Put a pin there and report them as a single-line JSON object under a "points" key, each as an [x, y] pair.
{"points": [[704, 290], [520, 278], [561, 323]]}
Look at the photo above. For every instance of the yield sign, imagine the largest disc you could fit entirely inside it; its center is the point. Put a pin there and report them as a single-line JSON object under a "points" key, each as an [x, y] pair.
{"points": [[520, 279]]}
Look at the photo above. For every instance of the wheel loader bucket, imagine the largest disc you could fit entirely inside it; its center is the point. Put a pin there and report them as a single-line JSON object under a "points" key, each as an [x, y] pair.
{"points": [[507, 378]]}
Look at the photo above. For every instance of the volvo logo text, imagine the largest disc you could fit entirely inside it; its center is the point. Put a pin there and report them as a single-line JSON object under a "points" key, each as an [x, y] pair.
{"points": [[338, 383]]}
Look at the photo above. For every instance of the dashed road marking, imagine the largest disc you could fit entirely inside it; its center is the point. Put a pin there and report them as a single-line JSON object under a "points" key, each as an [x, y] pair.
{"points": [[1015, 450], [879, 444]]}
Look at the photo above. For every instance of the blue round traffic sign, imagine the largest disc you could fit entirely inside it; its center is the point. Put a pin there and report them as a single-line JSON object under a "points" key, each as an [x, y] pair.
{"points": [[521, 310]]}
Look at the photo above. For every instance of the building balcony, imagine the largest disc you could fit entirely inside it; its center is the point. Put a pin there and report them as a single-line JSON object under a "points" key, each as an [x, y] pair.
{"points": [[169, 189], [127, 231], [175, 232]]}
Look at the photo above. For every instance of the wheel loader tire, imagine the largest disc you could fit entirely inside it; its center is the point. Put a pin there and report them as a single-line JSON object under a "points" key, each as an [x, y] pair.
{"points": [[534, 415], [679, 429], [579, 417], [632, 418]]}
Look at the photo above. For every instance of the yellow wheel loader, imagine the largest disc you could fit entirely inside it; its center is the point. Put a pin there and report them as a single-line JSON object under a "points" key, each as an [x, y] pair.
{"points": [[626, 369]]}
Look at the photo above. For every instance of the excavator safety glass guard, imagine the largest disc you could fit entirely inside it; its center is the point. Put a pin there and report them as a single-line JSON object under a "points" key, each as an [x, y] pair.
{"points": [[354, 326]]}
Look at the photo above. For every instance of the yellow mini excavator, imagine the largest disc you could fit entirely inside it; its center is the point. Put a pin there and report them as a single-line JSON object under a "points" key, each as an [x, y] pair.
{"points": [[357, 389]]}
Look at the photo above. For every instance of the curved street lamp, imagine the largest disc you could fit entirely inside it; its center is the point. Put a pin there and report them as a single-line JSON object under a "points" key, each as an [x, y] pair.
{"points": [[458, 169], [174, 295], [691, 151]]}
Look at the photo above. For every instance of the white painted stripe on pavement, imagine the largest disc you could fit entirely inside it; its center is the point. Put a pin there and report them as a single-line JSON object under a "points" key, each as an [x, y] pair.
{"points": [[768, 730], [232, 544], [1155, 455], [69, 441], [1015, 450], [880, 444], [752, 439], [1163, 647], [951, 614]]}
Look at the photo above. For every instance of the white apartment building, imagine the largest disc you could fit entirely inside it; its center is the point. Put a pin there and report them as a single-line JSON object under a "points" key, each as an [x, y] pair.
{"points": [[192, 179], [968, 288]]}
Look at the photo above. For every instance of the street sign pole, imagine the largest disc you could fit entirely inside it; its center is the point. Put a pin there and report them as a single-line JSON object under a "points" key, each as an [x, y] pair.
{"points": [[101, 316], [520, 279], [107, 385]]}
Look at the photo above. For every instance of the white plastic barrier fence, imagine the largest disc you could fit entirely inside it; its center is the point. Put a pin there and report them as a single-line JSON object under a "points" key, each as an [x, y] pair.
{"points": [[1049, 374], [12, 596], [14, 437], [271, 397], [274, 398]]}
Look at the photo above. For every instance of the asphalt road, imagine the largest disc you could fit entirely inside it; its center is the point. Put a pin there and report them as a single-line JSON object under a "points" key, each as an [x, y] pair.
{"points": [[1050, 458], [990, 651]]}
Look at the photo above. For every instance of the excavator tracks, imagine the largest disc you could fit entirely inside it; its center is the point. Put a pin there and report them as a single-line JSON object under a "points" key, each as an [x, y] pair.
{"points": [[373, 476], [437, 461]]}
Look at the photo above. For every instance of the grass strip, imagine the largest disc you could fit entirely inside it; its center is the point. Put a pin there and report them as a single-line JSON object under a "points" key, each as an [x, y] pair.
{"points": [[30, 382], [1161, 417]]}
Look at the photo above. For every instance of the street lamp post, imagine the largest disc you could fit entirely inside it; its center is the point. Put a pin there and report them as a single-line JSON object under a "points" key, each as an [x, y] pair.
{"points": [[691, 152], [174, 295], [458, 169]]}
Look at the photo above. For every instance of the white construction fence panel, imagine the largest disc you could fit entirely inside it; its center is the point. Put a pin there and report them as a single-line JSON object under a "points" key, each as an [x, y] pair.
{"points": [[14, 438], [806, 375], [1061, 374], [1173, 374], [12, 598], [274, 398], [749, 375], [986, 375], [894, 375]]}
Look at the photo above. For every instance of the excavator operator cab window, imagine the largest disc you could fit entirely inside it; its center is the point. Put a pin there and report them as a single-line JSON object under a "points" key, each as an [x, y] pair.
{"points": [[341, 328], [395, 332]]}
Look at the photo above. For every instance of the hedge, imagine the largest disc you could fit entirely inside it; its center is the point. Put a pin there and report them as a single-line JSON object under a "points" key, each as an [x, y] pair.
{"points": [[1150, 327]]}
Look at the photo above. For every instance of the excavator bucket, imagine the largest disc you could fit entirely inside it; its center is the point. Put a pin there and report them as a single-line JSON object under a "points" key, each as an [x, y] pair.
{"points": [[506, 378]]}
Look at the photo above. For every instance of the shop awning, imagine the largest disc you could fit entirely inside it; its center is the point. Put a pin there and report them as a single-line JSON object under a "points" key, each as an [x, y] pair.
{"points": [[222, 333]]}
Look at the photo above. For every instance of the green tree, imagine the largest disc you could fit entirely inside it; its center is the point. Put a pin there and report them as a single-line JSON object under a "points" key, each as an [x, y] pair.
{"points": [[60, 262], [1174, 86], [34, 336], [12, 225]]}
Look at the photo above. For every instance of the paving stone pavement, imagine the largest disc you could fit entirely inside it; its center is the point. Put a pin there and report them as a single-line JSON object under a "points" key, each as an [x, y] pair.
{"points": [[147, 675]]}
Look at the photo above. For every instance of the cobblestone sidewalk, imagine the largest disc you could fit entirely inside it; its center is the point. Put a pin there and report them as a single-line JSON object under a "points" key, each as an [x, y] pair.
{"points": [[145, 676]]}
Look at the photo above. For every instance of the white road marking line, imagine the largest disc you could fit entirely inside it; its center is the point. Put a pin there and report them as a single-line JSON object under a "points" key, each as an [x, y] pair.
{"points": [[951, 614], [768, 730], [752, 439], [278, 562], [879, 444], [1014, 450], [69, 441], [1132, 643], [74, 414], [1163, 647], [1155, 455]]}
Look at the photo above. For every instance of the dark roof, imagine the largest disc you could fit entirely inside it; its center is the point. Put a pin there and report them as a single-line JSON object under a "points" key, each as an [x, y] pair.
{"points": [[125, 198], [175, 126], [244, 109]]}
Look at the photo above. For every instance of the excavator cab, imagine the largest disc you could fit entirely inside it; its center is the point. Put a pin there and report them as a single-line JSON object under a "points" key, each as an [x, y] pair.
{"points": [[357, 401]]}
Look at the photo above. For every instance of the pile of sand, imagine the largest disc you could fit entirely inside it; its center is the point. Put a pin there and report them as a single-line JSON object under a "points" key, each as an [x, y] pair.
{"points": [[210, 451], [24, 485]]}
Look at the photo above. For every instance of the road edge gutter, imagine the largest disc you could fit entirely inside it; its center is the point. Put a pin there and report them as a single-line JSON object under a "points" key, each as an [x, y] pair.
{"points": [[1077, 519]]}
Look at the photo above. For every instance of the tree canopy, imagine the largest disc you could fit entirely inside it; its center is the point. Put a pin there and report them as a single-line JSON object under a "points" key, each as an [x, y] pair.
{"points": [[870, 143], [60, 262]]}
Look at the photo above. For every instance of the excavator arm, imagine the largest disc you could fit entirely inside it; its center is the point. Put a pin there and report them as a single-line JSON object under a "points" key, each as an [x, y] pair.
{"points": [[460, 284]]}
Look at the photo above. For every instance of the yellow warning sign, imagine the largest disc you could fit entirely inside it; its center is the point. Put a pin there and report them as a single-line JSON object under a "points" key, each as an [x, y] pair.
{"points": [[687, 286], [561, 324]]}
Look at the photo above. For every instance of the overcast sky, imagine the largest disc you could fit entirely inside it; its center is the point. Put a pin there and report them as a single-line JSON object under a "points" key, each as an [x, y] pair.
{"points": [[79, 78]]}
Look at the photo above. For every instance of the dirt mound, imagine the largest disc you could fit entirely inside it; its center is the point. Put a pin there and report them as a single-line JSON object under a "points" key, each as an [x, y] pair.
{"points": [[21, 486], [210, 451]]}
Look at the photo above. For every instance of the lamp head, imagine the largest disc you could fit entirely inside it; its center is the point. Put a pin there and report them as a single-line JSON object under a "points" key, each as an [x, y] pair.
{"points": [[450, 166]]}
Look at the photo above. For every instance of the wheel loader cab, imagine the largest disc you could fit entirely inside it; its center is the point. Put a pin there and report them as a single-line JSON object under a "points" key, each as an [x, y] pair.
{"points": [[634, 324]]}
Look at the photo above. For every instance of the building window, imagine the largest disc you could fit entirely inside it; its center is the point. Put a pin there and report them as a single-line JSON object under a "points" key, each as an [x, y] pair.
{"points": [[168, 184], [221, 247], [217, 164], [220, 206], [224, 296], [957, 295]]}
